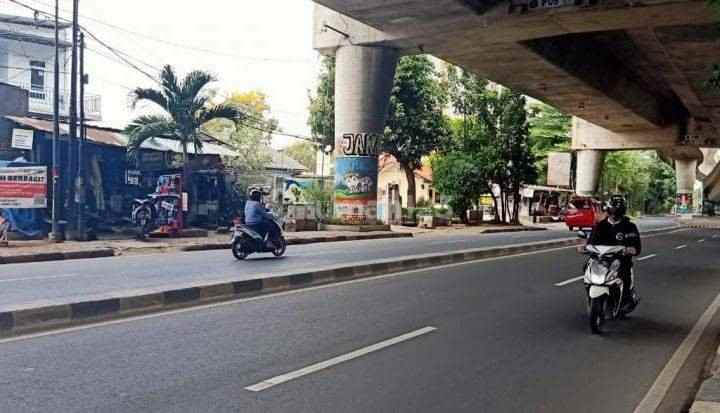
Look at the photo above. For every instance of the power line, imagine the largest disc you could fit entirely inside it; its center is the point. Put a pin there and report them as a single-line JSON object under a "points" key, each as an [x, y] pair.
{"points": [[120, 55], [186, 47]]}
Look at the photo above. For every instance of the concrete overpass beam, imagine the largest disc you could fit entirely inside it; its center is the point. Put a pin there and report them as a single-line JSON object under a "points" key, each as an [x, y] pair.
{"points": [[589, 170], [363, 84]]}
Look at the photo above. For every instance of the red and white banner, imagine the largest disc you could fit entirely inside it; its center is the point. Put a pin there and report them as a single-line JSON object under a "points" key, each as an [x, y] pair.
{"points": [[23, 187]]}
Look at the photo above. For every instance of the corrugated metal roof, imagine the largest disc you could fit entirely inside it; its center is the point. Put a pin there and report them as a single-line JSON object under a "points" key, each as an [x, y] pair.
{"points": [[113, 137]]}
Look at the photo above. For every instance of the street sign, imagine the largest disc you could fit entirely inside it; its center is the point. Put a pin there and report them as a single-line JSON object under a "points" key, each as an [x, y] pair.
{"points": [[22, 139], [23, 187]]}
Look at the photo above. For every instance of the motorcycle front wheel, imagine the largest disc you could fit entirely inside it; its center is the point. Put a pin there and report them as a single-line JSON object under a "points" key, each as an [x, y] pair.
{"points": [[597, 314], [280, 251], [240, 250]]}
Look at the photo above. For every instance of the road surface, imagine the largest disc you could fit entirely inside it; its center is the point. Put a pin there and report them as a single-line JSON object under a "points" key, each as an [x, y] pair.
{"points": [[493, 336]]}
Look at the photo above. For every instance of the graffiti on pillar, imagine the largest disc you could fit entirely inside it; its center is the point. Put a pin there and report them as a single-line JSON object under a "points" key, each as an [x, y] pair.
{"points": [[360, 144], [356, 189], [684, 203]]}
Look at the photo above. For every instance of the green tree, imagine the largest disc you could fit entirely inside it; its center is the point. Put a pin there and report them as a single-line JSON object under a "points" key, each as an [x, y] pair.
{"points": [[185, 109], [511, 162], [416, 124], [249, 137], [322, 105], [459, 176], [549, 132], [305, 153]]}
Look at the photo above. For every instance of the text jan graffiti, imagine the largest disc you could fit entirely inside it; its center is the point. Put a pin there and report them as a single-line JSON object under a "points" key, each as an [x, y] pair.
{"points": [[360, 144]]}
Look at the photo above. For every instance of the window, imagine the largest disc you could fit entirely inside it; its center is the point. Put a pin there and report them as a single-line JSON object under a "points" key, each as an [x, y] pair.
{"points": [[37, 79]]}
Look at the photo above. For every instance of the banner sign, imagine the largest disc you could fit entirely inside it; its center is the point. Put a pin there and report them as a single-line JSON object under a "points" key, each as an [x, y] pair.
{"points": [[22, 139], [23, 187], [559, 166]]}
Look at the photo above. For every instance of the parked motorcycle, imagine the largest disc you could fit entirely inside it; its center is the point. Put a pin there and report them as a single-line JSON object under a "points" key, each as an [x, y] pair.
{"points": [[604, 286], [246, 241], [151, 213]]}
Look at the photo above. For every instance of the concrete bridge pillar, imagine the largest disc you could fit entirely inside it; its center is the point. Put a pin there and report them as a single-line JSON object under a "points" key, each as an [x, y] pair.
{"points": [[363, 83], [589, 169], [686, 174]]}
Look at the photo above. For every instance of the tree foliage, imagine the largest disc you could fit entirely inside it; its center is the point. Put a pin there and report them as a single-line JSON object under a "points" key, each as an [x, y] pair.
{"points": [[305, 153], [646, 181], [549, 132], [322, 105], [490, 146], [416, 124]]}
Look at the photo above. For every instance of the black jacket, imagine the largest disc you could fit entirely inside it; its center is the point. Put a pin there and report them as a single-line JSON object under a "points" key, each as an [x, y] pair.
{"points": [[624, 233]]}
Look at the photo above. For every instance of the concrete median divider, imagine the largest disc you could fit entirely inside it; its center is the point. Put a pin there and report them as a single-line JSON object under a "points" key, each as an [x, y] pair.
{"points": [[36, 317]]}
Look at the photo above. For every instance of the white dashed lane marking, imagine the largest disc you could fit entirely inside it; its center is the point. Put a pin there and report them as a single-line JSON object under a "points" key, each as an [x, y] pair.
{"points": [[284, 378]]}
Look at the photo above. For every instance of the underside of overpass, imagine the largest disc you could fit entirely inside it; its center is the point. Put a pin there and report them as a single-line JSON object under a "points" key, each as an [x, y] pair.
{"points": [[633, 73]]}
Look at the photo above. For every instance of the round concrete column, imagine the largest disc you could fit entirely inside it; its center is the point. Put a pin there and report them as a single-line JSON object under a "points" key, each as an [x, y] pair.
{"points": [[363, 83], [686, 175], [589, 168]]}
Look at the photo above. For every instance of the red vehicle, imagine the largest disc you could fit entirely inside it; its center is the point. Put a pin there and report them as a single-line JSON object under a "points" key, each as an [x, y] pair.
{"points": [[583, 213]]}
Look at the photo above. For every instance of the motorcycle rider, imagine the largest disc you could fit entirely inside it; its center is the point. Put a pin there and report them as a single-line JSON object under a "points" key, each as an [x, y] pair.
{"points": [[258, 219], [617, 230]]}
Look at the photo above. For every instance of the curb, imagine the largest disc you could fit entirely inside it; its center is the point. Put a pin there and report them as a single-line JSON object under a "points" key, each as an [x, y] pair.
{"points": [[707, 399], [28, 319], [58, 256], [302, 241]]}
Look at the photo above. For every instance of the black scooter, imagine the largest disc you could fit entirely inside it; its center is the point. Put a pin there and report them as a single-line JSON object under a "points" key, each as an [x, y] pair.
{"points": [[246, 241]]}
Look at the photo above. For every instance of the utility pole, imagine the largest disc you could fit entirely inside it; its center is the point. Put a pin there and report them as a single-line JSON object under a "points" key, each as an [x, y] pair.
{"points": [[57, 199], [73, 135], [80, 182]]}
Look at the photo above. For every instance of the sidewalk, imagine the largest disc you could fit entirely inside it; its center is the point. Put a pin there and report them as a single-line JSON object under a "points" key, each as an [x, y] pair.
{"points": [[36, 251]]}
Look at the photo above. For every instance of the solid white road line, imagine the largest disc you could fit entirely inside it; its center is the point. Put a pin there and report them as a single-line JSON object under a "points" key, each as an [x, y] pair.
{"points": [[647, 257], [314, 368], [570, 281], [701, 240], [659, 389], [680, 247]]}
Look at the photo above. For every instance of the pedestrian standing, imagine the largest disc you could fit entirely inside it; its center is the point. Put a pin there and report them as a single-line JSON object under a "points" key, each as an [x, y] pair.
{"points": [[4, 229]]}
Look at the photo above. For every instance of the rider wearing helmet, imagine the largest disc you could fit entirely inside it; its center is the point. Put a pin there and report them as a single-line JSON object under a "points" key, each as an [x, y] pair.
{"points": [[258, 219], [617, 230]]}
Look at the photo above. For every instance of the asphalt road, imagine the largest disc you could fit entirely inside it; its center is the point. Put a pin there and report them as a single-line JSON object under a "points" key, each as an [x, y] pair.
{"points": [[505, 339], [62, 282]]}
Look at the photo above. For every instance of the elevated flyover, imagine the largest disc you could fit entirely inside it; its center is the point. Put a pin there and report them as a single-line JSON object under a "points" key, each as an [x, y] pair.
{"points": [[633, 73]]}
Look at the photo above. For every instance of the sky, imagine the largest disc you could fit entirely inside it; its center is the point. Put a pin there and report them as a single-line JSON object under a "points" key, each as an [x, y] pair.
{"points": [[263, 45]]}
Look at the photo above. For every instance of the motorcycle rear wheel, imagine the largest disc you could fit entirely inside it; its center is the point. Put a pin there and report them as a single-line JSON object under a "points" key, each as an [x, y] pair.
{"points": [[597, 314]]}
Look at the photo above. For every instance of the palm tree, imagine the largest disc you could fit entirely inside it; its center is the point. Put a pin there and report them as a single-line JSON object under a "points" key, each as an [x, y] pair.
{"points": [[186, 109]]}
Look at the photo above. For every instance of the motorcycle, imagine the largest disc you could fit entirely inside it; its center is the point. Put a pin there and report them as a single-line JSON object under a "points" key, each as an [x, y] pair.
{"points": [[153, 212], [604, 286], [246, 241]]}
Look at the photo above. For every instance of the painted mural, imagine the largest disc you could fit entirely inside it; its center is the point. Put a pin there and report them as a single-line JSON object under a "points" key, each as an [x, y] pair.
{"points": [[356, 189]]}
